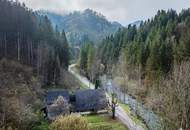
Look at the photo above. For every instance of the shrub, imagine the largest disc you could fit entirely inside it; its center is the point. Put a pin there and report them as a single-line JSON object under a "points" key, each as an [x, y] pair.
{"points": [[43, 125], [70, 122], [8, 128], [40, 124]]}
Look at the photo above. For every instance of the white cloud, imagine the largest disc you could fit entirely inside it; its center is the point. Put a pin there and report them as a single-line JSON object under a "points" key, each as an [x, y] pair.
{"points": [[123, 11]]}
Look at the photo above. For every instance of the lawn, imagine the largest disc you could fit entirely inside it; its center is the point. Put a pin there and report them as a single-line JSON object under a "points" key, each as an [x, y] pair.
{"points": [[104, 122]]}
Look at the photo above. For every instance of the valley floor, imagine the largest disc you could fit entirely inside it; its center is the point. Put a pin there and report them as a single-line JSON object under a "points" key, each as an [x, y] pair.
{"points": [[120, 112]]}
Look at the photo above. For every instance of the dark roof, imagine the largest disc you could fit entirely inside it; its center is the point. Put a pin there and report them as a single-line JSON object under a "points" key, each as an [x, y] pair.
{"points": [[51, 96], [87, 100]]}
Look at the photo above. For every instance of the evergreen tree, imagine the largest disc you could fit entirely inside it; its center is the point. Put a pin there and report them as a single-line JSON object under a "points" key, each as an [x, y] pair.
{"points": [[30, 39]]}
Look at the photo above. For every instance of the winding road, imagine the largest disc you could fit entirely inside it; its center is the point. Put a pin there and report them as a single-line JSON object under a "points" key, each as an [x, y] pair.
{"points": [[120, 112]]}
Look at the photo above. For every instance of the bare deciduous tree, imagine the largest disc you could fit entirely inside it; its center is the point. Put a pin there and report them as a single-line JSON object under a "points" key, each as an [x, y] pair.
{"points": [[122, 72], [176, 93], [59, 107], [113, 104]]}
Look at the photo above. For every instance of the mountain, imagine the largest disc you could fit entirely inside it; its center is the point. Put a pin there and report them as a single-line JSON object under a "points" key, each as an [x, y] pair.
{"points": [[54, 17], [87, 25]]}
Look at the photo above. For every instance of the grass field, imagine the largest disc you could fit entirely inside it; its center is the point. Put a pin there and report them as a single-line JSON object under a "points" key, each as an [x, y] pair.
{"points": [[104, 122]]}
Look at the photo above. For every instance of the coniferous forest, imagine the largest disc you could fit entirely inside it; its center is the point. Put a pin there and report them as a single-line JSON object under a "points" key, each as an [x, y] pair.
{"points": [[32, 55], [154, 57], [31, 40], [154, 46]]}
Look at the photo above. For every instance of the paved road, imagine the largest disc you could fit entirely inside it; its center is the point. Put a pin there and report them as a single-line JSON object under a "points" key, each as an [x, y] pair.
{"points": [[83, 79], [120, 112]]}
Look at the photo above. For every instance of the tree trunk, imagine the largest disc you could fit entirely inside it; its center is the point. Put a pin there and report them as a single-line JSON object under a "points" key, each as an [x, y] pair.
{"points": [[1, 47], [139, 73], [124, 95], [54, 76], [18, 47], [38, 60], [113, 111], [31, 50], [5, 38]]}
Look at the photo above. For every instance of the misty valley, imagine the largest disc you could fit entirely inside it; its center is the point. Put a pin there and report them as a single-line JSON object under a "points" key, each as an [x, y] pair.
{"points": [[79, 69]]}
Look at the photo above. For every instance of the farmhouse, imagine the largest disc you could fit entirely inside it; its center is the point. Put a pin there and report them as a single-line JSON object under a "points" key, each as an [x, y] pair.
{"points": [[63, 103], [90, 100]]}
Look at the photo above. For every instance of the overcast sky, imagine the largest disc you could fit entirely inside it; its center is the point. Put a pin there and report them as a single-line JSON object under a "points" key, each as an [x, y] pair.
{"points": [[123, 11]]}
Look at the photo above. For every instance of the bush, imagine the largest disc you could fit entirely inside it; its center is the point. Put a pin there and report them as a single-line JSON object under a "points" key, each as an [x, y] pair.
{"points": [[8, 128], [70, 122], [40, 124], [20, 93]]}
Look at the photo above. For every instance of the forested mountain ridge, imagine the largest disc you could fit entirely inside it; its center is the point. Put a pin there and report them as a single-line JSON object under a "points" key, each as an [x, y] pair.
{"points": [[156, 56], [32, 54], [30, 39], [55, 18], [83, 26], [157, 43], [150, 62]]}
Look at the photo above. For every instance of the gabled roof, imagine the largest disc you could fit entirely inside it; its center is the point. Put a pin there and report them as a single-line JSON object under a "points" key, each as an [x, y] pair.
{"points": [[87, 100], [51, 96]]}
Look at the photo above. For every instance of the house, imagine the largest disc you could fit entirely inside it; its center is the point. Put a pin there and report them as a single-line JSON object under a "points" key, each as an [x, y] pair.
{"points": [[61, 102], [90, 100]]}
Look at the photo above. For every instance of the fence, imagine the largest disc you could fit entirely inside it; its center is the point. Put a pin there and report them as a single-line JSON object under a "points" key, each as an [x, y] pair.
{"points": [[153, 121]]}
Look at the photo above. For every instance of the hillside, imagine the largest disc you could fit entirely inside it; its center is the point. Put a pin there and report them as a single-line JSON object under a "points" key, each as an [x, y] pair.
{"points": [[83, 26], [21, 95], [151, 63], [32, 55], [31, 40]]}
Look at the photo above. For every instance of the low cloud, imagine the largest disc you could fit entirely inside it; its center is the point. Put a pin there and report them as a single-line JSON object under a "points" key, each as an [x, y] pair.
{"points": [[123, 11]]}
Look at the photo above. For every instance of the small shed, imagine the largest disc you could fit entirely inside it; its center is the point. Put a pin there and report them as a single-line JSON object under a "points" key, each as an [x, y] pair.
{"points": [[90, 100]]}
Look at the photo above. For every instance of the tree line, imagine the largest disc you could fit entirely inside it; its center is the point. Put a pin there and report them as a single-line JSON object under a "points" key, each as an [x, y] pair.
{"points": [[154, 46], [153, 54], [88, 63], [30, 39]]}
